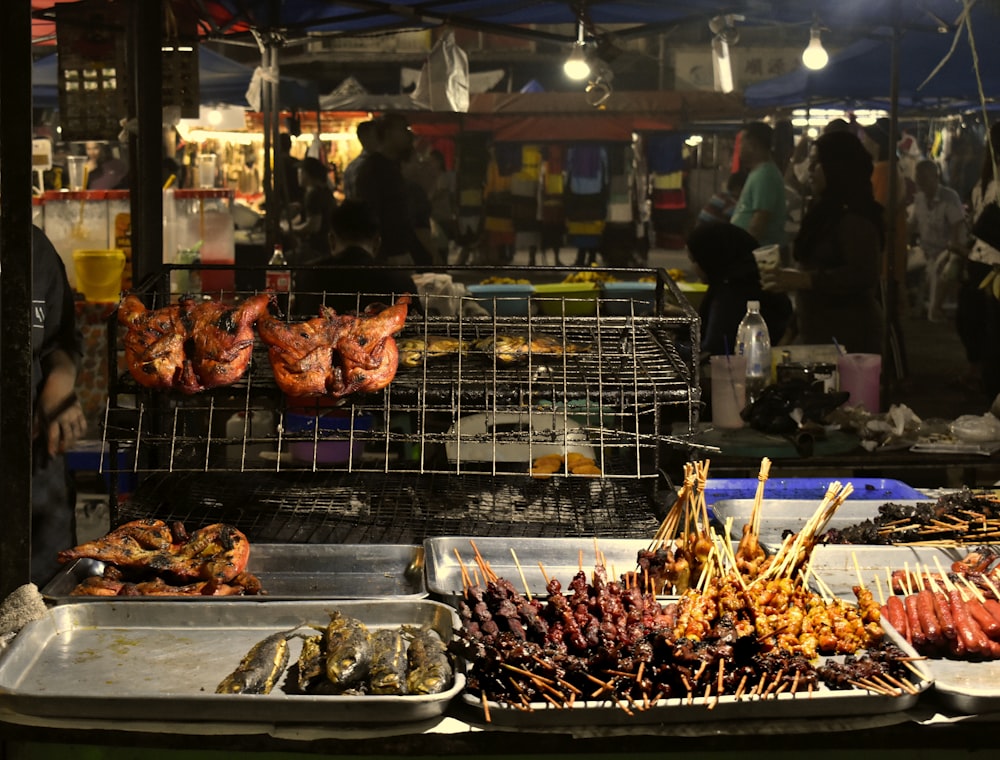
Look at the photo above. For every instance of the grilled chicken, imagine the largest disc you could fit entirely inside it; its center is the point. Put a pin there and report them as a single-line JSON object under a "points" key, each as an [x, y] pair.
{"points": [[223, 339], [333, 354], [189, 346], [155, 343], [217, 553], [301, 353]]}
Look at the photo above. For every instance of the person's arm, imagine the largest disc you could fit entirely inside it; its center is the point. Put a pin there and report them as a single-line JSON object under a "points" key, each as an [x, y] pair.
{"points": [[58, 413], [758, 223]]}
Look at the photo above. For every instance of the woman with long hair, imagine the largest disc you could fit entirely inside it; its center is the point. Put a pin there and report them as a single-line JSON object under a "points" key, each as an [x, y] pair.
{"points": [[838, 250], [978, 317]]}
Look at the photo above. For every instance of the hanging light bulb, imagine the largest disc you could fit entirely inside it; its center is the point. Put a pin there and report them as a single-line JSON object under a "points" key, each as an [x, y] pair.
{"points": [[576, 66], [815, 56]]}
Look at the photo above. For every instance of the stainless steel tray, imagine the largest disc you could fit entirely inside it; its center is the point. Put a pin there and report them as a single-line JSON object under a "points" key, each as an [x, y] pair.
{"points": [[822, 703], [962, 685], [778, 515], [834, 563], [164, 660], [294, 571], [561, 558]]}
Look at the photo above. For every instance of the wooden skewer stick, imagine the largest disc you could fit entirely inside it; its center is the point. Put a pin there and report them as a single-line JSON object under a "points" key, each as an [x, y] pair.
{"points": [[857, 569], [991, 586], [973, 589], [466, 580], [520, 570], [739, 689], [944, 576], [544, 574], [906, 578], [486, 706], [904, 685], [878, 586]]}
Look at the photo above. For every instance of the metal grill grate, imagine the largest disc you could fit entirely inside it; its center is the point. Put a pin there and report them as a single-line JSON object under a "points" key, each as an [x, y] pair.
{"points": [[394, 507], [445, 448]]}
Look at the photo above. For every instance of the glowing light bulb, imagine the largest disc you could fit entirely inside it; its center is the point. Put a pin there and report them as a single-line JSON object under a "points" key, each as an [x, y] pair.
{"points": [[215, 117], [815, 56], [576, 66]]}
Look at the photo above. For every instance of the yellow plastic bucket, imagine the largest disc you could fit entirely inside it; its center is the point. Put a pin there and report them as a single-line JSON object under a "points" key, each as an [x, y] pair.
{"points": [[99, 273]]}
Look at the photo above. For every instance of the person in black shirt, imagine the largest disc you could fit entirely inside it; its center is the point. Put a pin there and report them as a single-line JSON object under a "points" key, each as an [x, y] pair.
{"points": [[312, 228], [351, 279], [58, 422], [379, 183]]}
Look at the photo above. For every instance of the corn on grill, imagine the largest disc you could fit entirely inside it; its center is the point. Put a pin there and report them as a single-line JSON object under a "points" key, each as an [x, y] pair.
{"points": [[446, 448]]}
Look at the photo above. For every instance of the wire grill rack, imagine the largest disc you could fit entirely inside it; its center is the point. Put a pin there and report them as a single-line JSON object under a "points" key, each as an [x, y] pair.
{"points": [[447, 447]]}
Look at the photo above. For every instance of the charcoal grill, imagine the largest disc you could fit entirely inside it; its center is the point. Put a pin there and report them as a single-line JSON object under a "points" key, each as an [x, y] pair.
{"points": [[432, 457]]}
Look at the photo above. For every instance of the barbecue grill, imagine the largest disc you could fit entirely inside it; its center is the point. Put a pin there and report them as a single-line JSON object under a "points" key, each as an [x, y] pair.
{"points": [[447, 447]]}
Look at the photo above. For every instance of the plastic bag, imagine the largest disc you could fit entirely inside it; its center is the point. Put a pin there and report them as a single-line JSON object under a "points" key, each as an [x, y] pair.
{"points": [[975, 429]]}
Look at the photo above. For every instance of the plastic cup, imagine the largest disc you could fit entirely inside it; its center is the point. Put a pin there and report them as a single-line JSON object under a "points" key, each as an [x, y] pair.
{"points": [[860, 376], [768, 257], [74, 167], [206, 170], [729, 390]]}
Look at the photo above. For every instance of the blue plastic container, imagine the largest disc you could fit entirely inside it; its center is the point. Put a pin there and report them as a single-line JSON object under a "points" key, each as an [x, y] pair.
{"points": [[882, 489]]}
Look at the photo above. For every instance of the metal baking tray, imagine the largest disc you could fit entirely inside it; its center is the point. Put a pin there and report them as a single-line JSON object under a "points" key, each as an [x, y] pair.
{"points": [[293, 571], [779, 515], [962, 685], [561, 558], [822, 703], [164, 660], [834, 563]]}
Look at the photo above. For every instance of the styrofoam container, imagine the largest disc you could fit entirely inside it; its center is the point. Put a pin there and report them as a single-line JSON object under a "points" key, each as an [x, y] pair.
{"points": [[624, 298], [311, 444], [717, 489], [504, 299], [779, 515], [576, 299]]}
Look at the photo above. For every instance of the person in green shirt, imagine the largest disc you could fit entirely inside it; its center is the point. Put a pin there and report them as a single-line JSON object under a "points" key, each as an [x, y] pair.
{"points": [[761, 209]]}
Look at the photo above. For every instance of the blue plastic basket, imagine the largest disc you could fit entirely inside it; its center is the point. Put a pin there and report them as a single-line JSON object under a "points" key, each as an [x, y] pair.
{"points": [[717, 489]]}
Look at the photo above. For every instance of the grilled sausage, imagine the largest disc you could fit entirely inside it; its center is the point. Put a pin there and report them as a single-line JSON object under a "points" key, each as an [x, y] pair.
{"points": [[973, 638], [917, 636], [943, 610], [895, 613], [928, 618], [983, 619]]}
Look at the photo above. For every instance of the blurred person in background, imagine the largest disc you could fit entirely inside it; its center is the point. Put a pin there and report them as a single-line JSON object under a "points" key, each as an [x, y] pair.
{"points": [[723, 256], [939, 223], [837, 250], [978, 315], [361, 282], [379, 182], [721, 205], [761, 208], [312, 227], [58, 420]]}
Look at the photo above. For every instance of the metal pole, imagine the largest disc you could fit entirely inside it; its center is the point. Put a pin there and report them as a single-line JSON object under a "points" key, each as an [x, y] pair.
{"points": [[145, 40], [891, 295], [15, 294]]}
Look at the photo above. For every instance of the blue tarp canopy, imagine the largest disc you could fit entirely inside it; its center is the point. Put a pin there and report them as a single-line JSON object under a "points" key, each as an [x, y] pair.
{"points": [[860, 74], [221, 81], [368, 15]]}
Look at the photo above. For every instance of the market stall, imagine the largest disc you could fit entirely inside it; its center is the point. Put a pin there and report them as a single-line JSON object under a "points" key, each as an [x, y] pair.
{"points": [[543, 413]]}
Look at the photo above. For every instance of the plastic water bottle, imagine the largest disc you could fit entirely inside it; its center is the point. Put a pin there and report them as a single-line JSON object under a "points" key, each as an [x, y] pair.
{"points": [[278, 278], [754, 342]]}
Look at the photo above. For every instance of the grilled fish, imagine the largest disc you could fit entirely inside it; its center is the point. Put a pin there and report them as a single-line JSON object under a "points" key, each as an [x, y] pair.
{"points": [[348, 651], [311, 666], [508, 349], [388, 670], [260, 668], [430, 670], [413, 350]]}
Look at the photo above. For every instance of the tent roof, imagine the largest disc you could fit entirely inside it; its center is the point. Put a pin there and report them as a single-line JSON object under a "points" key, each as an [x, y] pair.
{"points": [[221, 80], [860, 74], [501, 16]]}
